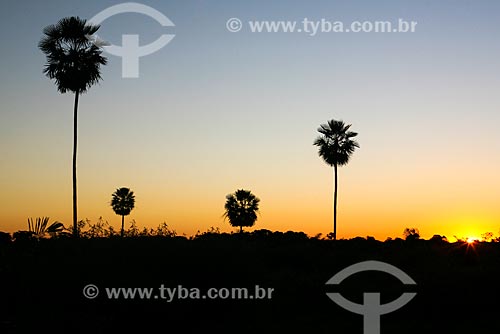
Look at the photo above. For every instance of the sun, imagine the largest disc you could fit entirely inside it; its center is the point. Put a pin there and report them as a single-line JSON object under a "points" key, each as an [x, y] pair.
{"points": [[471, 240]]}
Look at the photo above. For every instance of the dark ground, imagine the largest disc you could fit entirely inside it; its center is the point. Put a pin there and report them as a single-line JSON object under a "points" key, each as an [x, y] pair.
{"points": [[41, 284]]}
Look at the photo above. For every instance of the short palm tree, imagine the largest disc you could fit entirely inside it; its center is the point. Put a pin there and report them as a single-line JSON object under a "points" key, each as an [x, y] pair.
{"points": [[122, 202], [241, 209], [336, 147], [40, 227], [73, 61]]}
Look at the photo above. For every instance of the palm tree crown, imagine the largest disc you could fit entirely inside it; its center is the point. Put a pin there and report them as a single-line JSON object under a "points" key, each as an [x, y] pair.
{"points": [[73, 61], [335, 144], [241, 208], [123, 201]]}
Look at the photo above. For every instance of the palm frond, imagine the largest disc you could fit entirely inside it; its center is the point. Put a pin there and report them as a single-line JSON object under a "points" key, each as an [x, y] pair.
{"points": [[38, 226], [55, 227]]}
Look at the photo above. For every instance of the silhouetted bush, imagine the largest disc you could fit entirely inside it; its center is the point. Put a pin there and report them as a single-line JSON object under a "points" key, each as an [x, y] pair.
{"points": [[5, 238], [101, 229], [438, 239], [21, 236], [411, 234], [488, 236]]}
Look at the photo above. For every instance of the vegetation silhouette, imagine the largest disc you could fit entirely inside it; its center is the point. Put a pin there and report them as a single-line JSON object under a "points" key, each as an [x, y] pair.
{"points": [[336, 147], [455, 281], [123, 202], [241, 208], [73, 62], [411, 233], [40, 227]]}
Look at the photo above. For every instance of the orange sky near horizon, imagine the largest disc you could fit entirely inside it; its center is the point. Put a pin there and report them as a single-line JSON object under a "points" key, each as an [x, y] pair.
{"points": [[369, 205]]}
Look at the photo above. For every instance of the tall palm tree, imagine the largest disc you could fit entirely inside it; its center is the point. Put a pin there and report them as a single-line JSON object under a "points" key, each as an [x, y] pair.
{"points": [[122, 202], [73, 61], [335, 147], [241, 208]]}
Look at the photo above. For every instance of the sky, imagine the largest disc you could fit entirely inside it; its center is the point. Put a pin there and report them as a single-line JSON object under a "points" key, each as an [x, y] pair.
{"points": [[215, 111]]}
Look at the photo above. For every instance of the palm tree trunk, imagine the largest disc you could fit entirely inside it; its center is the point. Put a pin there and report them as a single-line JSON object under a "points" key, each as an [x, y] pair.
{"points": [[75, 136], [123, 220], [335, 204]]}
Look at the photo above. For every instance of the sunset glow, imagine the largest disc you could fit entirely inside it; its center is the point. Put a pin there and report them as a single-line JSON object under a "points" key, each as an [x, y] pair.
{"points": [[471, 240]]}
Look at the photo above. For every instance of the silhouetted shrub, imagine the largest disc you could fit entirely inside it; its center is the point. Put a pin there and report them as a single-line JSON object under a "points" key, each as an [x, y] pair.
{"points": [[164, 231], [5, 238], [101, 229], [21, 236], [263, 233], [438, 239], [330, 236], [296, 236], [488, 236], [411, 234]]}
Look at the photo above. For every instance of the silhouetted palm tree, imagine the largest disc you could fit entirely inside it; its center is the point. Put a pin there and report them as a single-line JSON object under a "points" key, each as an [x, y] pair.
{"points": [[241, 208], [335, 147], [74, 63], [122, 202]]}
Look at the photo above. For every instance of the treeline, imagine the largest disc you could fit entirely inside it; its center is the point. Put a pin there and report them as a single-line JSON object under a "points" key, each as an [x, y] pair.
{"points": [[41, 229]]}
